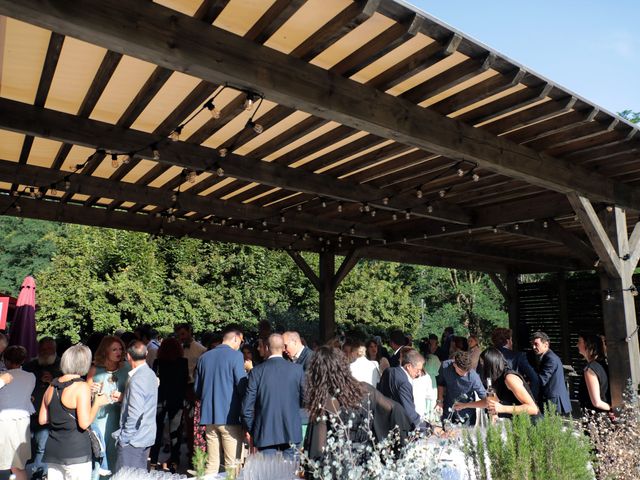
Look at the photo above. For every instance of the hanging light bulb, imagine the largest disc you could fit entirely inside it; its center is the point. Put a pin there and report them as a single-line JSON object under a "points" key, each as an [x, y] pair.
{"points": [[394, 216], [219, 172], [175, 135], [352, 231], [419, 192], [373, 212], [54, 191], [156, 154], [299, 207], [18, 208], [161, 231], [39, 193], [545, 224], [67, 184], [248, 102], [223, 222], [495, 229], [127, 159], [157, 215], [191, 176], [172, 218], [404, 240], [323, 203], [442, 193], [516, 227], [15, 193], [264, 223], [366, 207], [443, 228], [385, 201], [339, 207], [114, 160], [367, 241], [203, 228], [256, 127], [475, 177], [223, 152], [32, 192], [460, 172], [609, 208], [430, 208], [282, 219], [215, 113], [407, 214], [174, 197], [424, 236]]}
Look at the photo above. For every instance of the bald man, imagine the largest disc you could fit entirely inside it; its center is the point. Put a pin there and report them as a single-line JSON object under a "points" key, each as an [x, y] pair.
{"points": [[296, 350], [270, 410]]}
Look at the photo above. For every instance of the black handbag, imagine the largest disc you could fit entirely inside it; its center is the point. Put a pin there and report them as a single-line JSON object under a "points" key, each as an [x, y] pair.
{"points": [[96, 444]]}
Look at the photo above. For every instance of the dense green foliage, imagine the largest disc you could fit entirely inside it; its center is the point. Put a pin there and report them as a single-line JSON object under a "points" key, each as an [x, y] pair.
{"points": [[92, 279], [550, 449], [630, 115]]}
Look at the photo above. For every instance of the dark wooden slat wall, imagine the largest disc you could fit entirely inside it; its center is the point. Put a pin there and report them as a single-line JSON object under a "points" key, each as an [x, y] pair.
{"points": [[539, 308]]}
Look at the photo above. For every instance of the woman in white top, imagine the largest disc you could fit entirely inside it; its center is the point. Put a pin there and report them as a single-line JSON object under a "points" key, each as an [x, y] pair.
{"points": [[15, 412], [362, 369]]}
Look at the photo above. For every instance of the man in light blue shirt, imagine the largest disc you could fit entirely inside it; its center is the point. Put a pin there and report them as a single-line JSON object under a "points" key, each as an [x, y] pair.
{"points": [[137, 431]]}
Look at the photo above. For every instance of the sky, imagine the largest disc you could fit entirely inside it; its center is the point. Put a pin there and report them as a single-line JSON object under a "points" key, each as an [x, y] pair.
{"points": [[590, 47]]}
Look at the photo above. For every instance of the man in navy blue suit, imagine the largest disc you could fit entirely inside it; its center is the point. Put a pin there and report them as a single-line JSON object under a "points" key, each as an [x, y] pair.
{"points": [[220, 382], [270, 409], [502, 339], [554, 388], [396, 383]]}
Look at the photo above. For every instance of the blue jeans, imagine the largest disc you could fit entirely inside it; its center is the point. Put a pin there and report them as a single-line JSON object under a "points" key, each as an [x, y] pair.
{"points": [[40, 436], [285, 450]]}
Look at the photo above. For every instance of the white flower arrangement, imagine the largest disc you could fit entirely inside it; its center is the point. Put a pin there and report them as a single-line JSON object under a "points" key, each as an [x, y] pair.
{"points": [[420, 458]]}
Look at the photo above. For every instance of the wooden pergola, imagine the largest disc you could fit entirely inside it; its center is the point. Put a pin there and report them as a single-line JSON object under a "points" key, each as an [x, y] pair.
{"points": [[364, 129]]}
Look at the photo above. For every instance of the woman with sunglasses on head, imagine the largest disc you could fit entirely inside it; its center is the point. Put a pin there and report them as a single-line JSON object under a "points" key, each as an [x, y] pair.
{"points": [[108, 376]]}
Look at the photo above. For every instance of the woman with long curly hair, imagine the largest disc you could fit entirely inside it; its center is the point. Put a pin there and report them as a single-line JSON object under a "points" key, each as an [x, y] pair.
{"points": [[594, 391], [108, 376], [333, 395]]}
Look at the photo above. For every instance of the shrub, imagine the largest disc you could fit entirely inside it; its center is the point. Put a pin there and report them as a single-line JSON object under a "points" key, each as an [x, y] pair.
{"points": [[550, 449], [616, 443]]}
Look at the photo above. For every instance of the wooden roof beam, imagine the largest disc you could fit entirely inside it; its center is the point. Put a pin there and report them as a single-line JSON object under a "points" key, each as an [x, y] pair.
{"points": [[122, 191], [101, 217], [157, 34], [68, 128]]}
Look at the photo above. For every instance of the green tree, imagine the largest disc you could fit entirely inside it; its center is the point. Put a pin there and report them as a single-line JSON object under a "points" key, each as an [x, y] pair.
{"points": [[630, 115], [26, 248]]}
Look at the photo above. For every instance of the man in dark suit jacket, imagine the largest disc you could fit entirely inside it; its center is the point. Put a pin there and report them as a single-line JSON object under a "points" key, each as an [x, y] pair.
{"points": [[397, 340], [271, 404], [396, 384], [554, 388], [502, 339], [296, 350], [220, 382]]}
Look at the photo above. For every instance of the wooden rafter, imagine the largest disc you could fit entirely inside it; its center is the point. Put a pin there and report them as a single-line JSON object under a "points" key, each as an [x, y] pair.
{"points": [[163, 36]]}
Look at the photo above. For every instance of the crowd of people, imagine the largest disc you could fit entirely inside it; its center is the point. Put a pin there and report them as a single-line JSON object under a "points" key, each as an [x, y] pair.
{"points": [[125, 400]]}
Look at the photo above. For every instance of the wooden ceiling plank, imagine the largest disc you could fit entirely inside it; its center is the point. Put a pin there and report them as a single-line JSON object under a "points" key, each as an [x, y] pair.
{"points": [[379, 46], [275, 16], [347, 20], [414, 64]]}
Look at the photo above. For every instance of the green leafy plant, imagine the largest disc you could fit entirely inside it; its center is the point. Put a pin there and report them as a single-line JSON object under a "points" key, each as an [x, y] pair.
{"points": [[199, 461], [550, 449]]}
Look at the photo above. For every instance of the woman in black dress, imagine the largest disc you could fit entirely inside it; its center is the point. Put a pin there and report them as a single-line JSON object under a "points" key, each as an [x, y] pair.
{"points": [[512, 392], [173, 373], [593, 393], [67, 409]]}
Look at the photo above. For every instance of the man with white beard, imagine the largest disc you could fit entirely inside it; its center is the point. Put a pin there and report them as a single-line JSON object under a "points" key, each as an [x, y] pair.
{"points": [[46, 367]]}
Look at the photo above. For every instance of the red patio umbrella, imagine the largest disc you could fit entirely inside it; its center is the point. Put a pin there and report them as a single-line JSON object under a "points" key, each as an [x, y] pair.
{"points": [[23, 327]]}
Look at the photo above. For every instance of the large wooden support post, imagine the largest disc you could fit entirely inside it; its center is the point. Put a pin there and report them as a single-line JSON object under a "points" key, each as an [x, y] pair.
{"points": [[327, 296], [564, 318], [619, 312], [514, 324], [618, 256], [327, 282]]}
